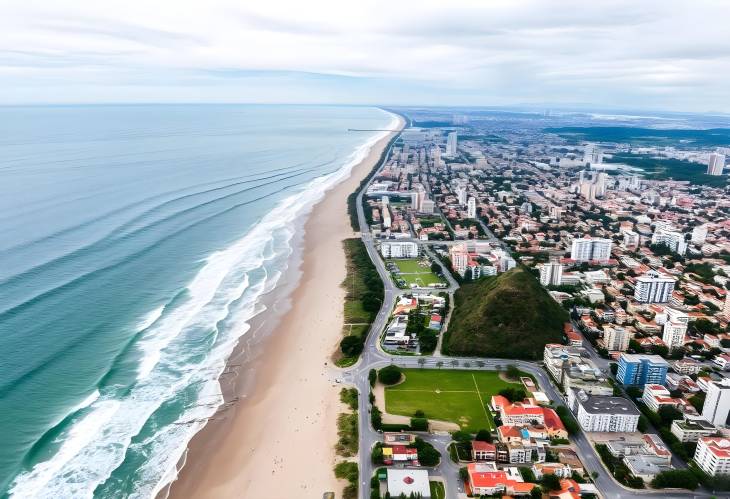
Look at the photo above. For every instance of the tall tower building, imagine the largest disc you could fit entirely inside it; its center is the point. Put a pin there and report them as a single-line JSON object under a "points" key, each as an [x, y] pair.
{"points": [[715, 164], [551, 273], [471, 208], [653, 288], [717, 403], [436, 155], [451, 144]]}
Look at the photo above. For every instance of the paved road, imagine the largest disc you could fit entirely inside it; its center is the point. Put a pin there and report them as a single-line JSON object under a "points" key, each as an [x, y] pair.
{"points": [[374, 358]]}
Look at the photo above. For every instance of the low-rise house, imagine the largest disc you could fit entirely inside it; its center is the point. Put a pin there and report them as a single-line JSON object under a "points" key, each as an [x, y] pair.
{"points": [[686, 366], [692, 428], [400, 454], [407, 482], [713, 455], [483, 451], [398, 438], [558, 469], [485, 479], [656, 396]]}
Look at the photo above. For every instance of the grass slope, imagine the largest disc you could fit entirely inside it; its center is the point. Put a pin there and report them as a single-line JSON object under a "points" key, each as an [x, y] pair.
{"points": [[508, 316]]}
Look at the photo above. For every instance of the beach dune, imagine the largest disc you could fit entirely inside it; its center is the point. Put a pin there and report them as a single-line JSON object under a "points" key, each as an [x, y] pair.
{"points": [[277, 440]]}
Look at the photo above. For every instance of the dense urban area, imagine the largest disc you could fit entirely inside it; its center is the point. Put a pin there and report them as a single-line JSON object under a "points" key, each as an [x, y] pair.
{"points": [[538, 306]]}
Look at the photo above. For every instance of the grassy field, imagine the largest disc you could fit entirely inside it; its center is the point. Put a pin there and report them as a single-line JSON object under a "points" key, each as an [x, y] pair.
{"points": [[414, 273], [437, 490], [457, 396]]}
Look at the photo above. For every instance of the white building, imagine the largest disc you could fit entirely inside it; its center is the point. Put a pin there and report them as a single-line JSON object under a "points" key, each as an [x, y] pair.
{"points": [[399, 249], [674, 240], [409, 482], [715, 164], [717, 403], [713, 455], [471, 208], [674, 333], [592, 154], [692, 428], [587, 249], [653, 288], [699, 234], [616, 339], [451, 140], [436, 155], [606, 414], [655, 396], [385, 208], [631, 239], [551, 273]]}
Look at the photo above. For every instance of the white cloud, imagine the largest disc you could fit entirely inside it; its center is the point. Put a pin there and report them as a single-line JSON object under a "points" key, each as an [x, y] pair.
{"points": [[668, 54]]}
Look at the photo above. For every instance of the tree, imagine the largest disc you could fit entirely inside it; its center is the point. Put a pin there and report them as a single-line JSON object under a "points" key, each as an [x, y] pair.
{"points": [[679, 479], [352, 345], [439, 364], [536, 493], [550, 482], [372, 377], [376, 417], [567, 420], [390, 375], [484, 436], [461, 436], [427, 454], [513, 394], [421, 362], [614, 368], [419, 424], [513, 372], [667, 414]]}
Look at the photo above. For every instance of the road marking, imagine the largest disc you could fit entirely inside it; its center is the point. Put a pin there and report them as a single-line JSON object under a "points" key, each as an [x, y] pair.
{"points": [[480, 400]]}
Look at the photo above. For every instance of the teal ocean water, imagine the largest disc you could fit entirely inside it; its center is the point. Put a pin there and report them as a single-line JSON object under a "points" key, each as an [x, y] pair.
{"points": [[135, 242]]}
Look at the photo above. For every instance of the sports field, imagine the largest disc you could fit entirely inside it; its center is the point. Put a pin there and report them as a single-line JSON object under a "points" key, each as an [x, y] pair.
{"points": [[461, 397], [413, 272]]}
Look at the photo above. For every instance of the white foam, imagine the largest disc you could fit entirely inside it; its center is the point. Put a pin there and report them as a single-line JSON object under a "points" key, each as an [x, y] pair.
{"points": [[97, 443]]}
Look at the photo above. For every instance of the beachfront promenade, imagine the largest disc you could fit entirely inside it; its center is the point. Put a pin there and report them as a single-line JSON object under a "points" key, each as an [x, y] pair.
{"points": [[373, 357]]}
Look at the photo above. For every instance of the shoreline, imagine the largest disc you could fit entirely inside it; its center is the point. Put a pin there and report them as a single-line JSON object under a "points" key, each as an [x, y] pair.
{"points": [[276, 438]]}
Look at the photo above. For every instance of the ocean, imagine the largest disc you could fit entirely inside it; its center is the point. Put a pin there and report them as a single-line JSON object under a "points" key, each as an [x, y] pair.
{"points": [[135, 245]]}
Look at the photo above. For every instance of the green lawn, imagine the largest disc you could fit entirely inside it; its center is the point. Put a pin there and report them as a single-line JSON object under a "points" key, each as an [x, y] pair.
{"points": [[437, 490], [414, 273], [457, 396]]}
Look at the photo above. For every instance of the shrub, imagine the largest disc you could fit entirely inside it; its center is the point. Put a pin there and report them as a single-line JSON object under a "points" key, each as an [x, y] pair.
{"points": [[676, 479], [419, 424], [352, 345], [390, 375]]}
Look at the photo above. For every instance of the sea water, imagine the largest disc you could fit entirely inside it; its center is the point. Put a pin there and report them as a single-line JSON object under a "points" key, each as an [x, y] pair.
{"points": [[135, 244]]}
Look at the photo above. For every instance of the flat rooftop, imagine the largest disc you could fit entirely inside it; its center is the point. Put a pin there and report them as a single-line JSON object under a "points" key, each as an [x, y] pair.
{"points": [[609, 405]]}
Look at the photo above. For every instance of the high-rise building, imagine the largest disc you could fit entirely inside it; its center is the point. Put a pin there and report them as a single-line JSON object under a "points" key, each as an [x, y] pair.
{"points": [[699, 234], [551, 273], [471, 208], [674, 333], [384, 201], [461, 194], [715, 164], [418, 196], [587, 249], [717, 403], [451, 144], [640, 369], [653, 288], [436, 155], [616, 339], [592, 154], [673, 239]]}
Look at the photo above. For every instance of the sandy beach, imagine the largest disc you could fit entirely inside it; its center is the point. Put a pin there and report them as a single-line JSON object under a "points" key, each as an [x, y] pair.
{"points": [[277, 439]]}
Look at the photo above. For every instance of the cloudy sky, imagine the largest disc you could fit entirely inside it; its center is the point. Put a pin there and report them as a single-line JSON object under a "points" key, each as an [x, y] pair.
{"points": [[672, 55]]}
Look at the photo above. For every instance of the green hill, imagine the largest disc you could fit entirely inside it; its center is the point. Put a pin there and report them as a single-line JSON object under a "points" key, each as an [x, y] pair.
{"points": [[508, 316]]}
